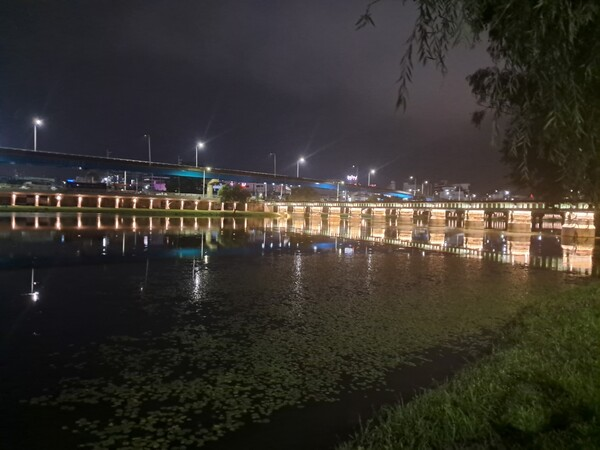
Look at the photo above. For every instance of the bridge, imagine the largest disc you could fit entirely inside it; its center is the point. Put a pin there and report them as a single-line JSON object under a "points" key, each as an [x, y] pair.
{"points": [[569, 219], [15, 156]]}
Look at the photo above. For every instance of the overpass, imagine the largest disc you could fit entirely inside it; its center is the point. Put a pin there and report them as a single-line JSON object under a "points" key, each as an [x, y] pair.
{"points": [[15, 156]]}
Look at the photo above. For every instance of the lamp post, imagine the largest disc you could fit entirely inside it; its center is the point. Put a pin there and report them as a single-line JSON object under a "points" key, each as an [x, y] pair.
{"points": [[199, 146], [147, 136], [371, 172], [414, 179], [337, 195], [423, 184], [301, 160], [36, 123], [204, 181], [274, 155]]}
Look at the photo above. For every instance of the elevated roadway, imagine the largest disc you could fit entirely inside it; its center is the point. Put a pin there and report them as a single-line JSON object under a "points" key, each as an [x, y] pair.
{"points": [[15, 156]]}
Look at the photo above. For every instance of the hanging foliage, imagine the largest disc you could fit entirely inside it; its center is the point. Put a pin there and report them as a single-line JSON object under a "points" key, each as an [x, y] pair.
{"points": [[544, 82]]}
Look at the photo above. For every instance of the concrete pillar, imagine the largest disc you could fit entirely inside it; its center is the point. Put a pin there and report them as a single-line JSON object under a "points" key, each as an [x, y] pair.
{"points": [[117, 202], [210, 206], [79, 201], [378, 212], [99, 203], [135, 203], [475, 219], [196, 205], [519, 221], [168, 204], [246, 207], [37, 201], [407, 215], [354, 212], [437, 218], [579, 224], [182, 202], [13, 199], [222, 206], [58, 200], [151, 203]]}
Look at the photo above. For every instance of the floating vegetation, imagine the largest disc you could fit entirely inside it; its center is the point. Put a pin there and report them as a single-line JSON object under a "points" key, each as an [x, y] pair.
{"points": [[246, 337]]}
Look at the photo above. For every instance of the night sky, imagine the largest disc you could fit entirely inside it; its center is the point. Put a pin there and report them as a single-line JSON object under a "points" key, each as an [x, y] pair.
{"points": [[249, 78]]}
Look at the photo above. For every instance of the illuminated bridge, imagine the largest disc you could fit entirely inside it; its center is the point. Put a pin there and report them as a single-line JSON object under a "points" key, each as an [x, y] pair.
{"points": [[158, 169], [569, 219]]}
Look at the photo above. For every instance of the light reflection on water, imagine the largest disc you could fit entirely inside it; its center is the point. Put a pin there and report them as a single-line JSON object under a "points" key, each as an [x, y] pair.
{"points": [[548, 250]]}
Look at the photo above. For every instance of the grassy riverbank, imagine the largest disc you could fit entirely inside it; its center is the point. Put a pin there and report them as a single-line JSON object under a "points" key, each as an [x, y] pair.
{"points": [[539, 389], [137, 212]]}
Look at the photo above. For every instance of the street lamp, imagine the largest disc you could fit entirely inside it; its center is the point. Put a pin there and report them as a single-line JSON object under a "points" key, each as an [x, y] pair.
{"points": [[204, 181], [424, 183], [36, 123], [147, 136], [371, 172], [274, 163], [414, 184], [199, 146], [337, 195], [301, 160]]}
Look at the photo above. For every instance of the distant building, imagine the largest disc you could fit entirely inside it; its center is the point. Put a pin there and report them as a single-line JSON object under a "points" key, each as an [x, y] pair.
{"points": [[454, 191]]}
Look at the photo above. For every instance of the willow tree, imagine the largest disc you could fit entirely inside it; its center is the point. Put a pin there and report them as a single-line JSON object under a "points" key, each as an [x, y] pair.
{"points": [[544, 82]]}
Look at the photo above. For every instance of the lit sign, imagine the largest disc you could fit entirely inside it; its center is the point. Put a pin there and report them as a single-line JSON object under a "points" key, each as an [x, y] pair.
{"points": [[351, 178]]}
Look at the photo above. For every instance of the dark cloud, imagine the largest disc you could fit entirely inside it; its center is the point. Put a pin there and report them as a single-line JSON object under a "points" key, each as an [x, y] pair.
{"points": [[250, 77]]}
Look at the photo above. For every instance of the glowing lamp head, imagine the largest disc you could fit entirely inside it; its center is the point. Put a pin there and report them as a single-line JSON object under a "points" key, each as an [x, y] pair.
{"points": [[38, 122], [200, 144]]}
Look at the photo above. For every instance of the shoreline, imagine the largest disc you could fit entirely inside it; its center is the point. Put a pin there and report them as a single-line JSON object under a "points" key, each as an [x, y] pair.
{"points": [[539, 388]]}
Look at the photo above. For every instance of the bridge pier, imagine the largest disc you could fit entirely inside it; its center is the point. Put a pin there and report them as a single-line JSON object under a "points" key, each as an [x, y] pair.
{"points": [[579, 224], [437, 218], [520, 221], [475, 219], [407, 215]]}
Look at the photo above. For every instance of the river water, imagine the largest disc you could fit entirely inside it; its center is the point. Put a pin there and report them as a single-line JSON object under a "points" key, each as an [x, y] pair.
{"points": [[121, 332]]}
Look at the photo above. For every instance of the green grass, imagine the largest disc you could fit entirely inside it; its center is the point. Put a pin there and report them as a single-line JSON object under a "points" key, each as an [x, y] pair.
{"points": [[137, 211], [539, 389]]}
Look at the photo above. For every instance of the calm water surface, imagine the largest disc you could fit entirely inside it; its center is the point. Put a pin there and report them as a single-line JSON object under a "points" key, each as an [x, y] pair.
{"points": [[179, 333]]}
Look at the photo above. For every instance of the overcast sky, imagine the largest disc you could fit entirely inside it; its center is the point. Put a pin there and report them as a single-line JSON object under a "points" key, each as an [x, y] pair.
{"points": [[249, 77]]}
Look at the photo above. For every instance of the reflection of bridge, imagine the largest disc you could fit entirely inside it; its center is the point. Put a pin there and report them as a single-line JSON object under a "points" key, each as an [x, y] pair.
{"points": [[101, 239], [572, 219], [158, 169]]}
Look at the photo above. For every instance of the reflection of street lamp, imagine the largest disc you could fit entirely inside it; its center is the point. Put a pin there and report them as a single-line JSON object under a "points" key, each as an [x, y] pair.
{"points": [[36, 123], [204, 180], [337, 195], [199, 146], [301, 160], [371, 172], [274, 163]]}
